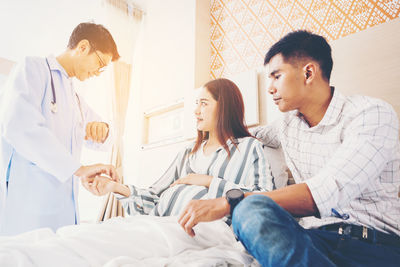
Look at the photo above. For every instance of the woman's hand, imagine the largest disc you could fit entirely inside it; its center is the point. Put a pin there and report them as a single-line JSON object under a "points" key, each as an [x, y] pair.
{"points": [[99, 185], [195, 179]]}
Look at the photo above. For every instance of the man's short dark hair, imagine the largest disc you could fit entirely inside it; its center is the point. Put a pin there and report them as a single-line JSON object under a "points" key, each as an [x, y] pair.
{"points": [[303, 44], [97, 35]]}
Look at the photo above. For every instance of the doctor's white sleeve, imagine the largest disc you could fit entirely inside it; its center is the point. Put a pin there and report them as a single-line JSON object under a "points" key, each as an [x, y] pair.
{"points": [[24, 127]]}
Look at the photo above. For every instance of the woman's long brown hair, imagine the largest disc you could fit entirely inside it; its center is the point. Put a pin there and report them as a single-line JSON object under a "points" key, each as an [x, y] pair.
{"points": [[230, 113]]}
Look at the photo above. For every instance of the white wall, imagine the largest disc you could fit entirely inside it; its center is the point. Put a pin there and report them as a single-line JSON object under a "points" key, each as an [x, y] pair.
{"points": [[175, 58], [42, 27], [368, 63]]}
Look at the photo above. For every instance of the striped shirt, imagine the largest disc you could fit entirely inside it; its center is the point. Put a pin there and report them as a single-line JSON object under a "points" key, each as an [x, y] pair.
{"points": [[350, 161], [245, 169]]}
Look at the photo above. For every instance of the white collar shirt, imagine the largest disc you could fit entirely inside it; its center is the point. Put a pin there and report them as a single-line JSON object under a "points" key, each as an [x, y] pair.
{"points": [[350, 161]]}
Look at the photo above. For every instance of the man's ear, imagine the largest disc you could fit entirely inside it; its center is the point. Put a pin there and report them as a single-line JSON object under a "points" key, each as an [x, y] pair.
{"points": [[310, 71], [83, 47]]}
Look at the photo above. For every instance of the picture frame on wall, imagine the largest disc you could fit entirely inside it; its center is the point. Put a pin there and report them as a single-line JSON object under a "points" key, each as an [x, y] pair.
{"points": [[175, 122], [164, 125]]}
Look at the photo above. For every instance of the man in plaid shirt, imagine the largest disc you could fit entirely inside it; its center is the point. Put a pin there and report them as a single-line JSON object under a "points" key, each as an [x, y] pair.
{"points": [[344, 155]]}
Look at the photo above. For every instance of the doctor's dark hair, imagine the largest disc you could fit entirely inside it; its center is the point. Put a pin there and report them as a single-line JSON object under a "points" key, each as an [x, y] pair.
{"points": [[302, 45], [230, 113], [97, 35]]}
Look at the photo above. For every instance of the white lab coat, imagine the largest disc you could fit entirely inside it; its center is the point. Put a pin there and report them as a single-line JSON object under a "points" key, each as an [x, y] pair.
{"points": [[40, 150]]}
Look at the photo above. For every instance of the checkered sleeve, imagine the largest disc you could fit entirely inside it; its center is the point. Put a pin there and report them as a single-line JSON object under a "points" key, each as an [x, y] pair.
{"points": [[269, 134], [369, 142]]}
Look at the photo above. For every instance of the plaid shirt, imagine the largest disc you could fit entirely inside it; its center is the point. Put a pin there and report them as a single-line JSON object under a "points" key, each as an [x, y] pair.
{"points": [[350, 161]]}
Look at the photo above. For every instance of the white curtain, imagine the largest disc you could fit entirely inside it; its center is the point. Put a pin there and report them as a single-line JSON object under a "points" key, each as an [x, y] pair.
{"points": [[125, 24]]}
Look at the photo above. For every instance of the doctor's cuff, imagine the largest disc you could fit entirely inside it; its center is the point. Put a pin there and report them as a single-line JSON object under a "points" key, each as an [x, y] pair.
{"points": [[68, 171]]}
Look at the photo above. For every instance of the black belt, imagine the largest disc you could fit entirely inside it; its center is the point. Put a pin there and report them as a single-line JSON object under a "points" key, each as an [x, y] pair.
{"points": [[363, 233]]}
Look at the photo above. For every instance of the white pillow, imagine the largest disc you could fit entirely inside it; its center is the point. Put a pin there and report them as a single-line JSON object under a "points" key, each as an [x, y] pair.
{"points": [[276, 160]]}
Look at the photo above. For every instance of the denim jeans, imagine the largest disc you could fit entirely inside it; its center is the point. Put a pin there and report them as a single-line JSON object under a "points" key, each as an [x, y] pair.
{"points": [[275, 238]]}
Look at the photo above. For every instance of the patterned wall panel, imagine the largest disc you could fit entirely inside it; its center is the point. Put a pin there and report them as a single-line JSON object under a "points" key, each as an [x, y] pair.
{"points": [[243, 30]]}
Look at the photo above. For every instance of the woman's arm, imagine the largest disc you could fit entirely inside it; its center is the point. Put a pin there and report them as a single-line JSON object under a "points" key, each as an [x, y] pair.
{"points": [[137, 200], [255, 175], [101, 185]]}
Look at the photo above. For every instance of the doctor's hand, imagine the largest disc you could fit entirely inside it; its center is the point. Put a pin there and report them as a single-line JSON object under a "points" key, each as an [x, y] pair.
{"points": [[203, 211], [98, 185], [101, 185], [97, 131], [194, 179], [97, 169]]}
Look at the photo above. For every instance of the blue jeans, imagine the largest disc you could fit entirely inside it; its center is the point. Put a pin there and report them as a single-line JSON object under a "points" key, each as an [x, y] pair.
{"points": [[275, 238]]}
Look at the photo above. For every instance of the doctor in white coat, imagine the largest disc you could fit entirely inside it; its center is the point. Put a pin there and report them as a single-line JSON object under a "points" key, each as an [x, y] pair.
{"points": [[43, 124]]}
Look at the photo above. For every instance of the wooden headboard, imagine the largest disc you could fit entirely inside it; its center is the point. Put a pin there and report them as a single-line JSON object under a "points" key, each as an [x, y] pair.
{"points": [[368, 63]]}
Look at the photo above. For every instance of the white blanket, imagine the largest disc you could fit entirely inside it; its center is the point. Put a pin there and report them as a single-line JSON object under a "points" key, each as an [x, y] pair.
{"points": [[133, 241]]}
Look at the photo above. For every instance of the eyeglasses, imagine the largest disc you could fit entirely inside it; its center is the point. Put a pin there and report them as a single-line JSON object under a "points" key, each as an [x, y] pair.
{"points": [[102, 64]]}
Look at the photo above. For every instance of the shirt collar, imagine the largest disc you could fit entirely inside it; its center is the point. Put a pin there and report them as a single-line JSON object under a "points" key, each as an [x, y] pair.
{"points": [[55, 65], [228, 142], [333, 111]]}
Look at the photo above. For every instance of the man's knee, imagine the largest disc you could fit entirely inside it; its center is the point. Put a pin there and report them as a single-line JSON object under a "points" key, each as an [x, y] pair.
{"points": [[253, 205], [267, 231], [252, 213]]}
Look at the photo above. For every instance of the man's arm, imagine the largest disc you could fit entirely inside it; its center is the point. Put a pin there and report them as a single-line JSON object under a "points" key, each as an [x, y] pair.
{"points": [[98, 133], [23, 125], [90, 171], [268, 134], [296, 199]]}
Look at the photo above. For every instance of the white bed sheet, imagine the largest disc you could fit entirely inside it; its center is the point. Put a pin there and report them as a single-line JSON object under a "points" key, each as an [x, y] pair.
{"points": [[133, 241]]}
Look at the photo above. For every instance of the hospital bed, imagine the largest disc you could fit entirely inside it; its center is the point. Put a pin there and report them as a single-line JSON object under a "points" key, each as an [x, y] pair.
{"points": [[134, 241]]}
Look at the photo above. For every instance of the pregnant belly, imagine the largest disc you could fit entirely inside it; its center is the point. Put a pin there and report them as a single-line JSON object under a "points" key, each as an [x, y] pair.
{"points": [[174, 199]]}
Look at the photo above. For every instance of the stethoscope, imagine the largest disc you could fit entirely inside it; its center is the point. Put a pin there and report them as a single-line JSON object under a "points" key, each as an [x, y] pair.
{"points": [[53, 104]]}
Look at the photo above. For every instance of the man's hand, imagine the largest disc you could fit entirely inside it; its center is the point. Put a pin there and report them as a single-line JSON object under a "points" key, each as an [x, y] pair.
{"points": [[97, 169], [97, 131], [194, 179], [203, 211], [99, 185]]}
